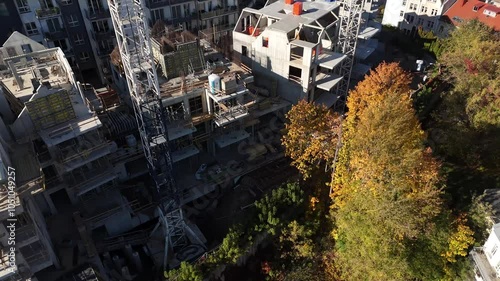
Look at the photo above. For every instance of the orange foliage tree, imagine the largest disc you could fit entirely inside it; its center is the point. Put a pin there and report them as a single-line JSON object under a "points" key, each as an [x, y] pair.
{"points": [[311, 136], [388, 187]]}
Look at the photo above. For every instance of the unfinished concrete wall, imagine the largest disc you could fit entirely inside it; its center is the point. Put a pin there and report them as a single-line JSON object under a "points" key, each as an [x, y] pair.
{"points": [[274, 57], [291, 92]]}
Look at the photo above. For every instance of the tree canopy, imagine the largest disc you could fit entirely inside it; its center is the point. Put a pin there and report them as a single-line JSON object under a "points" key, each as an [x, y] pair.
{"points": [[472, 61], [388, 188], [311, 136]]}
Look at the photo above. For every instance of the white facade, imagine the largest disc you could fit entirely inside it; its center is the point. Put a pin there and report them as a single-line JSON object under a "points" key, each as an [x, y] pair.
{"points": [[491, 248], [487, 258], [408, 15]]}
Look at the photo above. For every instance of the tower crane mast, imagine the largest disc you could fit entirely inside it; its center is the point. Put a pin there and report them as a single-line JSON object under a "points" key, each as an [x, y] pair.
{"points": [[132, 36], [350, 23]]}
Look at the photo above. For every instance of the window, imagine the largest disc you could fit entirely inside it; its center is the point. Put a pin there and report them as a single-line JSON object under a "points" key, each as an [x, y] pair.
{"points": [[53, 25], [195, 106], [105, 45], [404, 2], [94, 5], [26, 48], [434, 12], [424, 9], [101, 26], [244, 51], [84, 56], [73, 21], [411, 6], [11, 51], [265, 42], [176, 11], [3, 10], [409, 18], [430, 24], [475, 8], [31, 28], [420, 22], [402, 13], [22, 6], [78, 39], [187, 11], [157, 15], [493, 251], [45, 4], [61, 44]]}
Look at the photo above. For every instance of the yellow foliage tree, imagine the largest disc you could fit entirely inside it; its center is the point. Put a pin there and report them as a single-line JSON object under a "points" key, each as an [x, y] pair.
{"points": [[387, 197], [460, 241], [311, 136]]}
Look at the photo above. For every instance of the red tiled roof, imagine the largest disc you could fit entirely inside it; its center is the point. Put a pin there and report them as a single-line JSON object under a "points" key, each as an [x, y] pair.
{"points": [[463, 10]]}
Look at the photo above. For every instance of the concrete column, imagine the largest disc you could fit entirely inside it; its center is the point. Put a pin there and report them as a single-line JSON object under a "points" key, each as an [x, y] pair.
{"points": [[52, 207], [137, 261], [117, 263], [126, 273], [128, 251]]}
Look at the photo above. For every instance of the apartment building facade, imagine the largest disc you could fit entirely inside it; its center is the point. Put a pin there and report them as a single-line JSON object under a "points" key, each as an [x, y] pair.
{"points": [[84, 31], [409, 15]]}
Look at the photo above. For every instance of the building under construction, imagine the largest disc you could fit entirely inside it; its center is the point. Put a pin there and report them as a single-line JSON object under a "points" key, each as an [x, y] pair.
{"points": [[106, 178]]}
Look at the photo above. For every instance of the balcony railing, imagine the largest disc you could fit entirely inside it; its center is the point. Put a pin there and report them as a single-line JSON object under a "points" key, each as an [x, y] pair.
{"points": [[295, 79], [104, 52], [48, 12], [72, 158], [56, 34], [82, 182], [26, 234], [97, 14], [217, 12], [37, 258], [102, 34]]}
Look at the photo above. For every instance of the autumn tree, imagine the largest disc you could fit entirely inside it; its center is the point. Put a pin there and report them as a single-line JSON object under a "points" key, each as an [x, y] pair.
{"points": [[472, 63], [186, 272], [464, 129], [311, 136], [388, 187]]}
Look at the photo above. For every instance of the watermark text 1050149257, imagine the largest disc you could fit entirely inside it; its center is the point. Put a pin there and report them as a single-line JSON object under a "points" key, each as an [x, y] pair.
{"points": [[11, 221]]}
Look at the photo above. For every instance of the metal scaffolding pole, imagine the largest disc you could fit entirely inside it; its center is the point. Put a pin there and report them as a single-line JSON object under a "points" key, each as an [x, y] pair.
{"points": [[350, 22], [132, 35]]}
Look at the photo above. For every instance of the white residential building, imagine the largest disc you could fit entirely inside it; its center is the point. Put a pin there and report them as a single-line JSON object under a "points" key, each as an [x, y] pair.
{"points": [[295, 42], [487, 257], [408, 15]]}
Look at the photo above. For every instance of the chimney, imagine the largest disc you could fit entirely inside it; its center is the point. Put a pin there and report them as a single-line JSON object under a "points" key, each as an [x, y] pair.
{"points": [[297, 8], [289, 2]]}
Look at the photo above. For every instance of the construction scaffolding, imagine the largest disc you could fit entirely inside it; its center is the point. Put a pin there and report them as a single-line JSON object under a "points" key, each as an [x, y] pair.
{"points": [[132, 36], [350, 23]]}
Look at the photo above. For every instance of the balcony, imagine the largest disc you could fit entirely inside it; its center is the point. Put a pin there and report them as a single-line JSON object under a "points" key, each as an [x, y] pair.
{"points": [[36, 256], [46, 13], [483, 268], [53, 182], [87, 179], [72, 158], [102, 34], [26, 235], [97, 14], [104, 52], [217, 12], [56, 34], [230, 114]]}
